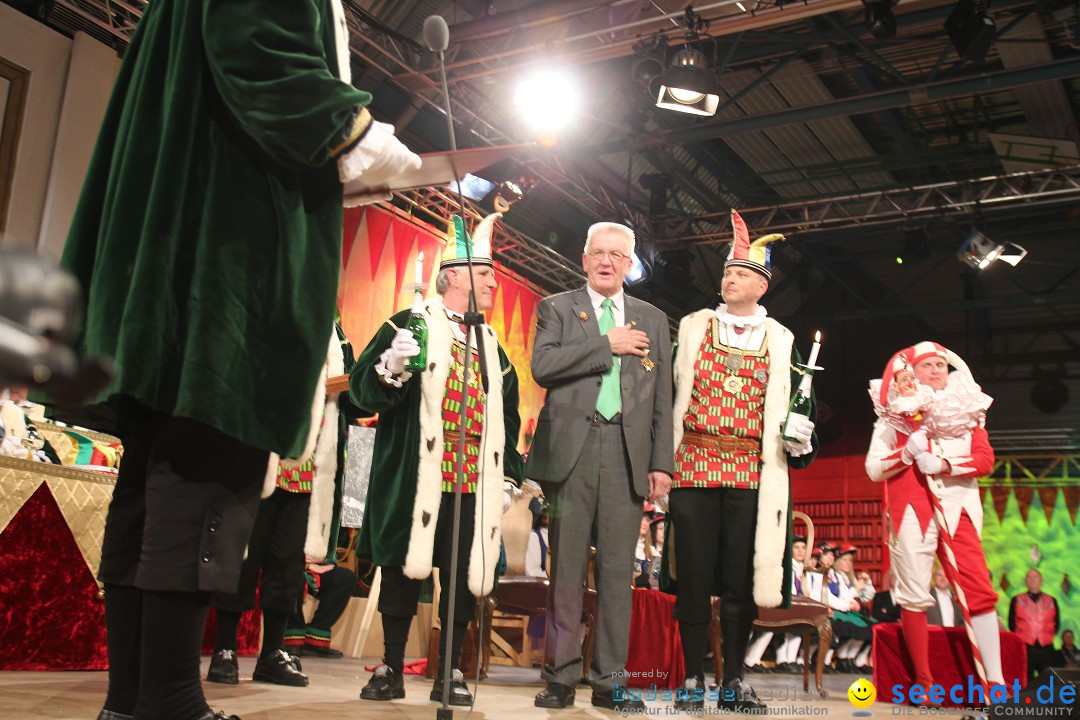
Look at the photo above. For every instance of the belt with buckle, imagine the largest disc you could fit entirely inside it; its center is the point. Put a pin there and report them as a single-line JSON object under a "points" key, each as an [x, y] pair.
{"points": [[453, 436], [723, 443], [598, 419]]}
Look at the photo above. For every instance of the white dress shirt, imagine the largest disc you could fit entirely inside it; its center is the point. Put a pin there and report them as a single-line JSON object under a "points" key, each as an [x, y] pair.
{"points": [[944, 601], [616, 305]]}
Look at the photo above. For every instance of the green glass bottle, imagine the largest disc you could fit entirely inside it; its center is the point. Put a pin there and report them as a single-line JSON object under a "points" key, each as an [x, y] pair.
{"points": [[417, 325], [800, 407]]}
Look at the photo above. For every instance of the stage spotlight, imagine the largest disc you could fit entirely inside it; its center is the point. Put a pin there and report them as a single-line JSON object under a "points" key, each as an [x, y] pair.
{"points": [[880, 20], [547, 99], [688, 86], [979, 251], [970, 30], [640, 270]]}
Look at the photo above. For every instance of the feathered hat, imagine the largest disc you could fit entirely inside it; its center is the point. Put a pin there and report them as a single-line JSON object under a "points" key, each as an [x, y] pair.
{"points": [[458, 243], [754, 255]]}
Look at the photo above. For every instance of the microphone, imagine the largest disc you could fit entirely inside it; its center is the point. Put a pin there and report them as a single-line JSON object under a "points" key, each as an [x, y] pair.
{"points": [[437, 37], [436, 33]]}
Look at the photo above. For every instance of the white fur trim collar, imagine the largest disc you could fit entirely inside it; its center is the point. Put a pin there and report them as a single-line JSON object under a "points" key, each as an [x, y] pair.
{"points": [[483, 555]]}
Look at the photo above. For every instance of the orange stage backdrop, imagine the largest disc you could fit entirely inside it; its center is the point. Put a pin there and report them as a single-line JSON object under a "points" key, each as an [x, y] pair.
{"points": [[379, 257]]}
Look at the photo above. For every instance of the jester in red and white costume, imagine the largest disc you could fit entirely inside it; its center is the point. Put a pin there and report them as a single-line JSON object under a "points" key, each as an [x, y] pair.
{"points": [[934, 441]]}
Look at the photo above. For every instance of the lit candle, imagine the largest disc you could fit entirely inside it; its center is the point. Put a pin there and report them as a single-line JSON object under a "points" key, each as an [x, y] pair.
{"points": [[814, 350], [420, 269]]}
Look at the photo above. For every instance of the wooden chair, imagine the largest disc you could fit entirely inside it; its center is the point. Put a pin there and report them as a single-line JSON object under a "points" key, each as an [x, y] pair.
{"points": [[805, 612], [526, 597]]}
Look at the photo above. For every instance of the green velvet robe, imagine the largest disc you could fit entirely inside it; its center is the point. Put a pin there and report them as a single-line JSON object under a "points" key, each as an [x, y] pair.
{"points": [[402, 481], [208, 235]]}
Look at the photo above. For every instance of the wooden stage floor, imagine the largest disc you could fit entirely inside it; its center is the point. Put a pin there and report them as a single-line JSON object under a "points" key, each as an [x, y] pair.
{"points": [[335, 687]]}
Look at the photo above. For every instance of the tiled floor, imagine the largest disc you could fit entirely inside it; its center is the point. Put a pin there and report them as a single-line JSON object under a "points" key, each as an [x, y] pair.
{"points": [[335, 687]]}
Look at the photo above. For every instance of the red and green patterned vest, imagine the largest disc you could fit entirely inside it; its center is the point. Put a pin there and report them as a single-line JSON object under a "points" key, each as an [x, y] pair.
{"points": [[717, 411], [474, 420], [296, 479]]}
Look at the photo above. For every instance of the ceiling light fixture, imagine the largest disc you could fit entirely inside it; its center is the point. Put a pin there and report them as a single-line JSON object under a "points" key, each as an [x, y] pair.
{"points": [[880, 20], [970, 30], [980, 252], [688, 86]]}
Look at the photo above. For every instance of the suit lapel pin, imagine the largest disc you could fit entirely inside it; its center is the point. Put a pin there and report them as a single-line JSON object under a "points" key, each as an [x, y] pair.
{"points": [[583, 316], [633, 323], [647, 363]]}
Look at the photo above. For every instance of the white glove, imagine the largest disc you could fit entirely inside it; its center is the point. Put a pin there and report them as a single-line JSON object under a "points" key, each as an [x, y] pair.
{"points": [[918, 444], [402, 347], [378, 157], [802, 429], [930, 464], [509, 492]]}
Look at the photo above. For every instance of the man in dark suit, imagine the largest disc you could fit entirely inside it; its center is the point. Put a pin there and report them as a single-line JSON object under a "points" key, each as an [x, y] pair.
{"points": [[603, 436], [945, 611]]}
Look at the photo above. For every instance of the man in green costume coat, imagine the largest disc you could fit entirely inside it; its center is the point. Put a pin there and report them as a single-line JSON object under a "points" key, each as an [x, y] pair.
{"points": [[208, 241], [408, 521]]}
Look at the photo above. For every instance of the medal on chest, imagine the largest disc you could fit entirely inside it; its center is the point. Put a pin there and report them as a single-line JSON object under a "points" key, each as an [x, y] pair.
{"points": [[733, 362]]}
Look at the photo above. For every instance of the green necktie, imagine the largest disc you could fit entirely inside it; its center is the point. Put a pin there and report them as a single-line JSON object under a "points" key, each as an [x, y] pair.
{"points": [[609, 403]]}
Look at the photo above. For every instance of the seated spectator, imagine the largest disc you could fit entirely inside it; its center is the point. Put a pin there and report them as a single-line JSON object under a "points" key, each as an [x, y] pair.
{"points": [[850, 628], [536, 556], [1070, 655], [945, 611], [333, 585], [19, 437], [884, 609]]}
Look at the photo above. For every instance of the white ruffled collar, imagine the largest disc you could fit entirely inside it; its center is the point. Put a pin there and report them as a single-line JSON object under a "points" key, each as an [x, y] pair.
{"points": [[748, 321]]}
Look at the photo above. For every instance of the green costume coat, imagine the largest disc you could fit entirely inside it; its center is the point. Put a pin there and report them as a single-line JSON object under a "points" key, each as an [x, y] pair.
{"points": [[208, 235], [406, 478]]}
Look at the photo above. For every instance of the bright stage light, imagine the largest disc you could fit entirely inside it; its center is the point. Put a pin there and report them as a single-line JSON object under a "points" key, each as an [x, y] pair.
{"points": [[547, 99]]}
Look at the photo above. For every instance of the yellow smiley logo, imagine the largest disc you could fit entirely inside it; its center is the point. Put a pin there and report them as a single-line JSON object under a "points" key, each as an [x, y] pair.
{"points": [[862, 693]]}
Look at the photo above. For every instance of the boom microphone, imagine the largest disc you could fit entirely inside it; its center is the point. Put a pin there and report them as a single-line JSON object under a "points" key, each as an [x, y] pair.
{"points": [[436, 33]]}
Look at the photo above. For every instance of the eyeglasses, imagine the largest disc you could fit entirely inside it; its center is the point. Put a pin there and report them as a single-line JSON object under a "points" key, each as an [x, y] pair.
{"points": [[615, 257]]}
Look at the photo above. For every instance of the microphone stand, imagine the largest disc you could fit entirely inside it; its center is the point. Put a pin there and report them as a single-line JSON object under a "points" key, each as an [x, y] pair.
{"points": [[472, 321]]}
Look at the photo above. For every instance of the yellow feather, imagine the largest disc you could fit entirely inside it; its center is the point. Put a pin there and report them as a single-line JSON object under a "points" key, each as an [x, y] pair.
{"points": [[766, 239]]}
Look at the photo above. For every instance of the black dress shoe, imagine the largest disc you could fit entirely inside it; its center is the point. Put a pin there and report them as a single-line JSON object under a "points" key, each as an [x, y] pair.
{"points": [[691, 696], [608, 701], [110, 715], [323, 652], [555, 695], [737, 696], [224, 668], [280, 669], [459, 691], [385, 684]]}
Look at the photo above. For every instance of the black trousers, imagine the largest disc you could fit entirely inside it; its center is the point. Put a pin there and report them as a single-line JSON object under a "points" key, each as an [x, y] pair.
{"points": [[1040, 657], [400, 594], [714, 552], [276, 549], [336, 586], [184, 505]]}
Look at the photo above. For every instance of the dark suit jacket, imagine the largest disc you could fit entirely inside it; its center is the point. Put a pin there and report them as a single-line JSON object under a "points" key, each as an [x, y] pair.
{"points": [[569, 358], [933, 614]]}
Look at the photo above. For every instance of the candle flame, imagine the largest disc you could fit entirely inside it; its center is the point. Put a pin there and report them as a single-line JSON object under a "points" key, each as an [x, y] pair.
{"points": [[817, 336]]}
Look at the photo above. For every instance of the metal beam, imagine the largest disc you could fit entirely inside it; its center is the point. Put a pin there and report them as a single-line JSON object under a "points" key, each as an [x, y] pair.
{"points": [[874, 102], [937, 200]]}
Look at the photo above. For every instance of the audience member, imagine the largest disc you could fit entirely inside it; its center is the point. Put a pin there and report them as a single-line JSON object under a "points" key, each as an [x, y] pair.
{"points": [[1034, 616]]}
